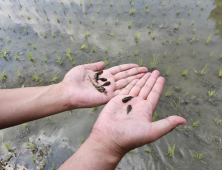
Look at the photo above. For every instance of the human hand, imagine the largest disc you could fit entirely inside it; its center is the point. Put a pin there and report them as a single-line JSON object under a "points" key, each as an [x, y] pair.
{"points": [[122, 132], [81, 92]]}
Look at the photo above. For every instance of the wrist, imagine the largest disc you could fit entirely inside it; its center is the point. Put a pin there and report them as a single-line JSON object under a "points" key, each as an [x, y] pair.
{"points": [[93, 154]]}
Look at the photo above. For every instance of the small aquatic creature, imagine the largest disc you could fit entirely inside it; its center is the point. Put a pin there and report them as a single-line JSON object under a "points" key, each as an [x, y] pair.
{"points": [[106, 83], [100, 72], [99, 88], [126, 99], [102, 79], [129, 108], [96, 77]]}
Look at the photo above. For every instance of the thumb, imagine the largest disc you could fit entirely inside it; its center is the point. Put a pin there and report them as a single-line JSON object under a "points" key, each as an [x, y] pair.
{"points": [[164, 126], [95, 66]]}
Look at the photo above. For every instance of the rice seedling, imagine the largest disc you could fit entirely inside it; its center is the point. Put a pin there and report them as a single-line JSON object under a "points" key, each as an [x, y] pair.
{"points": [[219, 23], [199, 157], [54, 78], [198, 3], [13, 29], [164, 41], [111, 4], [92, 19], [97, 11], [8, 39], [84, 46], [33, 45], [186, 93], [9, 16], [132, 11], [26, 126], [59, 60], [129, 24], [192, 22], [154, 36], [146, 6], [131, 153], [211, 93], [171, 150], [154, 62], [17, 73], [90, 2], [106, 62], [153, 22], [32, 145], [178, 11], [168, 71], [172, 33], [208, 39], [180, 38], [47, 17], [217, 121], [3, 55], [195, 124], [220, 73], [181, 20], [189, 12], [30, 57], [137, 37], [136, 52], [106, 50], [149, 30], [16, 57], [53, 34], [154, 116], [164, 12], [0, 38], [171, 168], [116, 21], [148, 150], [217, 31], [93, 109], [26, 31], [200, 13], [54, 10], [203, 71], [106, 21], [69, 18], [153, 13], [32, 159], [45, 59], [163, 3], [140, 63], [4, 74], [80, 20], [7, 146], [147, 10], [185, 73], [43, 8], [107, 12], [202, 7], [70, 57], [211, 54], [219, 5], [44, 35], [140, 20], [192, 40], [37, 79], [53, 168], [87, 34]]}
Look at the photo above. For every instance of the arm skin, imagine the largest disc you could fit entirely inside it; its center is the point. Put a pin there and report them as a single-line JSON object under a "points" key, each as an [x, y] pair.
{"points": [[75, 91], [115, 132]]}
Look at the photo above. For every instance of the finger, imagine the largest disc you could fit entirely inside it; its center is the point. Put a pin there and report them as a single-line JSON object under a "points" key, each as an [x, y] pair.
{"points": [[156, 92], [164, 126], [124, 82], [127, 89], [95, 66], [130, 72], [136, 89], [149, 84], [117, 69]]}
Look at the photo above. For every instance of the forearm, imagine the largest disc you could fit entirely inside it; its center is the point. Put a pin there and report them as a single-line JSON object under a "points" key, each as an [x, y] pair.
{"points": [[27, 104], [93, 155]]}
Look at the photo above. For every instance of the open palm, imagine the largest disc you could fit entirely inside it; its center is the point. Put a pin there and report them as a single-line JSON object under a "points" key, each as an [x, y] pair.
{"points": [[127, 131], [81, 91]]}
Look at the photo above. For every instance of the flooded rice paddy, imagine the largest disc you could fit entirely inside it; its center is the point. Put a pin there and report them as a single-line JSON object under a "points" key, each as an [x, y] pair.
{"points": [[47, 29]]}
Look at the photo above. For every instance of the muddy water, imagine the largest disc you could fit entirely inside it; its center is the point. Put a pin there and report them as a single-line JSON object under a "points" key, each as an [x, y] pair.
{"points": [[63, 131]]}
